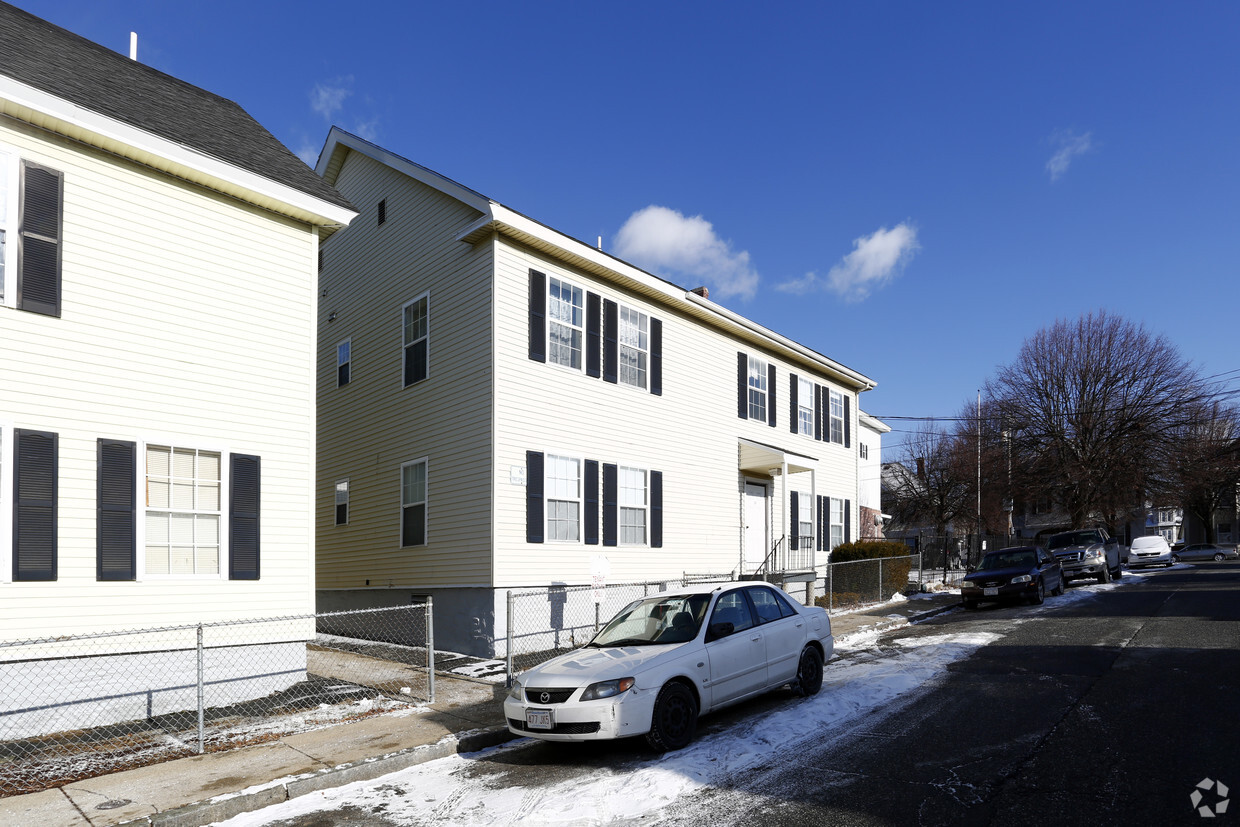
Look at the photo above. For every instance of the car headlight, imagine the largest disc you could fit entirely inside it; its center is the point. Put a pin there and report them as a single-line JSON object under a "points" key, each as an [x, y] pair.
{"points": [[606, 689], [1021, 578], [517, 692]]}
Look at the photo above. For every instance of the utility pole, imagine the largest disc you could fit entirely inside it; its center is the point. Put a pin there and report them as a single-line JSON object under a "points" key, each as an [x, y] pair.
{"points": [[979, 471]]}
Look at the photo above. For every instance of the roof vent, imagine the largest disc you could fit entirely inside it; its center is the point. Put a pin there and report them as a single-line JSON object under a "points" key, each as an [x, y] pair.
{"points": [[701, 291], [133, 45]]}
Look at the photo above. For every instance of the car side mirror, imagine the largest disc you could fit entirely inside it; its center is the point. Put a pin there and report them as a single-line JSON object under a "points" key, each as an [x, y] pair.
{"points": [[718, 630]]}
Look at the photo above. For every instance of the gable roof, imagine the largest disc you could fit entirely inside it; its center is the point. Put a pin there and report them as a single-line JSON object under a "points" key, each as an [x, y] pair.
{"points": [[126, 107], [501, 220]]}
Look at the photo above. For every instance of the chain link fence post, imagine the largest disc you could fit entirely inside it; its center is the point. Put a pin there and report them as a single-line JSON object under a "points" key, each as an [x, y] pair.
{"points": [[508, 667], [430, 648], [882, 589], [202, 733]]}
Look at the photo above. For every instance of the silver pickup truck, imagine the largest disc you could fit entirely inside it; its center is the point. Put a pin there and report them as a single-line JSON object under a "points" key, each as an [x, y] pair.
{"points": [[1087, 552]]}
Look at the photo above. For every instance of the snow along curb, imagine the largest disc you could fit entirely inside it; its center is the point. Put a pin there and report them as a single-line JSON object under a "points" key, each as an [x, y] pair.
{"points": [[892, 623], [209, 812]]}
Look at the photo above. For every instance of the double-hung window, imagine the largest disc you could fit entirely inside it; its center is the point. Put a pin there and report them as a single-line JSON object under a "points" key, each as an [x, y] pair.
{"points": [[805, 406], [183, 511], [565, 317], [837, 523], [413, 503], [633, 505], [757, 389], [562, 489], [415, 322], [343, 360], [342, 502], [837, 417], [8, 226], [805, 520], [634, 347]]}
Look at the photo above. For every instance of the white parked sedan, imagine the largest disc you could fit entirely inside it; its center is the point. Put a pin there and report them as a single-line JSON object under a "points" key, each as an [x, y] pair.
{"points": [[1149, 551], [659, 664]]}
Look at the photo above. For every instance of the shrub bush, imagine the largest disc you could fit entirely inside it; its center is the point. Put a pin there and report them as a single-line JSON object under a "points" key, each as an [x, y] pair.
{"points": [[858, 581]]}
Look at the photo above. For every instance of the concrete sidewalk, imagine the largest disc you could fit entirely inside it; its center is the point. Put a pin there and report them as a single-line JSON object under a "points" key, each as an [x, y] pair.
{"points": [[195, 791]]}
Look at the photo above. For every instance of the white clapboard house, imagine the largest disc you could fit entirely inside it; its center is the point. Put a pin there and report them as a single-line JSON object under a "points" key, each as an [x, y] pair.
{"points": [[502, 407], [158, 298]]}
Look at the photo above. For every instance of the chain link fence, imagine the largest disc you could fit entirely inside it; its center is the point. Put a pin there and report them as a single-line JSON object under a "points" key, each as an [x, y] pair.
{"points": [[78, 706], [947, 558], [860, 582], [552, 620]]}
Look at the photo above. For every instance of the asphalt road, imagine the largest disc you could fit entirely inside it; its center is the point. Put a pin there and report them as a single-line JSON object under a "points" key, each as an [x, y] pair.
{"points": [[1107, 709]]}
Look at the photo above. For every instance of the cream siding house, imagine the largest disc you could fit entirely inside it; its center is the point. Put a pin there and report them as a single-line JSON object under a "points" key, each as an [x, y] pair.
{"points": [[158, 305], [504, 407], [870, 473]]}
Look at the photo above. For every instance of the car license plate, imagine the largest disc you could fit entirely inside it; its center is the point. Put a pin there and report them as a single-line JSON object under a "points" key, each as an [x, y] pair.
{"points": [[993, 591], [538, 718]]}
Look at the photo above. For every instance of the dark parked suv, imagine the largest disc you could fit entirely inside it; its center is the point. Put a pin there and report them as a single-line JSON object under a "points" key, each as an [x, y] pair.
{"points": [[1087, 552]]}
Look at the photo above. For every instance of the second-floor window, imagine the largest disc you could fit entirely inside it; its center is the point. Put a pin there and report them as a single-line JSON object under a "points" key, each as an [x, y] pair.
{"points": [[805, 406], [565, 317], [31, 207], [342, 502], [757, 389], [8, 220], [837, 417], [865, 450], [416, 326], [343, 360], [634, 347]]}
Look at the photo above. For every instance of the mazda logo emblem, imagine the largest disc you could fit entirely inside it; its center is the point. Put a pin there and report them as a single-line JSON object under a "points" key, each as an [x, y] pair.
{"points": [[545, 697]]}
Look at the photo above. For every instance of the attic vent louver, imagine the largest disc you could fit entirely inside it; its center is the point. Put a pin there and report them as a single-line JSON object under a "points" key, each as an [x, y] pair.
{"points": [[383, 211]]}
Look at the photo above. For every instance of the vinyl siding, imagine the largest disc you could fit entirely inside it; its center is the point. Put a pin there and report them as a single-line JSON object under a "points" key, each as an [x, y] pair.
{"points": [[369, 427], [187, 317], [690, 433]]}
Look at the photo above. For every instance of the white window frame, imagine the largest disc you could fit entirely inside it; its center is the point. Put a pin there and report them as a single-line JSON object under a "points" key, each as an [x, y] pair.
{"points": [[836, 536], [805, 406], [347, 346], [758, 396], [579, 329], [836, 417], [425, 502], [641, 350], [6, 501], [553, 493], [337, 502], [407, 343], [143, 500], [625, 502], [10, 181]]}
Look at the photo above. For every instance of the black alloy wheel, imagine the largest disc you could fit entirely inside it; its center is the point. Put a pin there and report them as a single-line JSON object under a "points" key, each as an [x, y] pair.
{"points": [[675, 718], [809, 673]]}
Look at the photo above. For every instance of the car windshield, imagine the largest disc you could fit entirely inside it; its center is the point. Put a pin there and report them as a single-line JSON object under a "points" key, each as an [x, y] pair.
{"points": [[1074, 538], [1009, 560], [655, 620]]}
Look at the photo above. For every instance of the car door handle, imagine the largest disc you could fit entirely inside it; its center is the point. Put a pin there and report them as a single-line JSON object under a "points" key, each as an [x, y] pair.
{"points": [[756, 638]]}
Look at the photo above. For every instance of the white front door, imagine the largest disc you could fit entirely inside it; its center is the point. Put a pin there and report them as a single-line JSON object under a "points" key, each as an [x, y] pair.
{"points": [[756, 529]]}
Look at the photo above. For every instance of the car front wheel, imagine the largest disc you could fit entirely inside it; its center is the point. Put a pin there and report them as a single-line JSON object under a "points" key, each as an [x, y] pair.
{"points": [[1218, 558], [1104, 576], [809, 673], [1039, 594], [1175, 559], [675, 718]]}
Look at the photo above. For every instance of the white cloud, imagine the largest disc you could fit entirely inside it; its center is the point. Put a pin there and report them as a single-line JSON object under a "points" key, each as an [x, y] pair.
{"points": [[875, 260], [1070, 145], [327, 98], [309, 153], [665, 241]]}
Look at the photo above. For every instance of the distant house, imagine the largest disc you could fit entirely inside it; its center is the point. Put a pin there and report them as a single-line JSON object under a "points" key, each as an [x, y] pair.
{"points": [[157, 323], [502, 406], [869, 476]]}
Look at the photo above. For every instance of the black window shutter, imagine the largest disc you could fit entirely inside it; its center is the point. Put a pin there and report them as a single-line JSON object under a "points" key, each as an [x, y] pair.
{"points": [[847, 421], [847, 521], [822, 524], [794, 415], [656, 357], [611, 511], [534, 497], [38, 250], [742, 385], [818, 412], [656, 509], [611, 351], [591, 497], [538, 317], [116, 511], [594, 336], [794, 506], [770, 395], [34, 505], [243, 513]]}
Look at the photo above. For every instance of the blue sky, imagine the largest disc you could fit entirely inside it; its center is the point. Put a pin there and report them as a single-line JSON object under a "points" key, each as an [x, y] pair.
{"points": [[909, 188]]}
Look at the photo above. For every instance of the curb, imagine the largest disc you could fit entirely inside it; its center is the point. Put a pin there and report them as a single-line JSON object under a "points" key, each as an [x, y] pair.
{"points": [[208, 812], [887, 624]]}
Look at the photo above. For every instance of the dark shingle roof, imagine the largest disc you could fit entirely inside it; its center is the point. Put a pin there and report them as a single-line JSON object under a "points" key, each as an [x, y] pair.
{"points": [[61, 63]]}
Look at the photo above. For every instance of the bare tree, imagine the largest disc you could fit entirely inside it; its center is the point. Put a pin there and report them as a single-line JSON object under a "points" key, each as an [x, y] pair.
{"points": [[926, 485], [1092, 405], [1203, 470]]}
